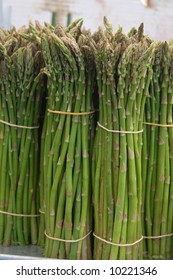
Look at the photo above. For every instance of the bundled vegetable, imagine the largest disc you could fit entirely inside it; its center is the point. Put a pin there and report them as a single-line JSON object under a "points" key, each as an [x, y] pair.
{"points": [[123, 73], [21, 92], [86, 142], [65, 186], [158, 158]]}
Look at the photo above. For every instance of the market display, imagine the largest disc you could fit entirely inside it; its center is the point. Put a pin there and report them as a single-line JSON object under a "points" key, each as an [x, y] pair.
{"points": [[86, 142]]}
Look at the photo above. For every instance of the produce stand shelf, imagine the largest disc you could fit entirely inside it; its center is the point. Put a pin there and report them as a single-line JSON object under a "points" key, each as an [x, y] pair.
{"points": [[29, 252]]}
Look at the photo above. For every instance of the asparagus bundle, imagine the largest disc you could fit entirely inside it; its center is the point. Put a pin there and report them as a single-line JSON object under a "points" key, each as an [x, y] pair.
{"points": [[123, 72], [125, 170], [20, 101], [158, 158], [65, 187]]}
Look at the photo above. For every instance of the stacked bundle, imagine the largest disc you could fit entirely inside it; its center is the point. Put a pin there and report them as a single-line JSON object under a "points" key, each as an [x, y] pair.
{"points": [[114, 178], [158, 157], [65, 189], [124, 70], [20, 101]]}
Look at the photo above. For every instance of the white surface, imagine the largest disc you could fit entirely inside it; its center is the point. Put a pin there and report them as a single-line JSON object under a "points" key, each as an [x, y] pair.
{"points": [[21, 252], [78, 270]]}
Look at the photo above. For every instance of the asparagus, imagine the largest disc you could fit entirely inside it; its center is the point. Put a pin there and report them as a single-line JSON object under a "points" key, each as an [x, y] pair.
{"points": [[20, 77], [158, 186], [65, 179], [123, 74], [77, 175]]}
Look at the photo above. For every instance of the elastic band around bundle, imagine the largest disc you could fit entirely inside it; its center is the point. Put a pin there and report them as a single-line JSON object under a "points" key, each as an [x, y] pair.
{"points": [[119, 131], [71, 113], [66, 240], [158, 236], [118, 244], [18, 215], [158, 124], [18, 126], [41, 211]]}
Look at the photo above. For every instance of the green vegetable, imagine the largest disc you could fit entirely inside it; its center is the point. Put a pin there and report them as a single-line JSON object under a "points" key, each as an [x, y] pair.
{"points": [[123, 75], [66, 139], [20, 102], [158, 151]]}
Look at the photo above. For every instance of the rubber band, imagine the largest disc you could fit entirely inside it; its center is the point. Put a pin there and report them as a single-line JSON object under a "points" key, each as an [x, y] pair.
{"points": [[118, 244], [41, 211], [158, 124], [18, 215], [158, 236], [119, 131], [67, 241], [71, 113], [19, 126]]}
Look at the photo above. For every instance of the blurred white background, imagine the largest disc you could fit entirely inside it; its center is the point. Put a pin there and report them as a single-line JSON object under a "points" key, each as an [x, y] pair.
{"points": [[158, 19]]}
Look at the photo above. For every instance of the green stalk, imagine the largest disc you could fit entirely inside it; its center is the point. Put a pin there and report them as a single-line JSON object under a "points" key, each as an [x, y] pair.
{"points": [[168, 250], [3, 179], [120, 202], [77, 194], [165, 205], [160, 160], [108, 176]]}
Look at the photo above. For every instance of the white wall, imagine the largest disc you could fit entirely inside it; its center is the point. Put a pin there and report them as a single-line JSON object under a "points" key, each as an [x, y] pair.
{"points": [[158, 21], [23, 11]]}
